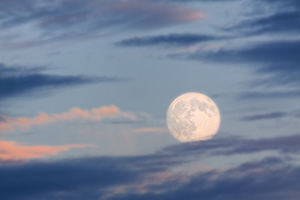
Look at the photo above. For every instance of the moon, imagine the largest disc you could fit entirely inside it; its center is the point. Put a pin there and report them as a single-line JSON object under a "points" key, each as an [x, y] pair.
{"points": [[193, 117]]}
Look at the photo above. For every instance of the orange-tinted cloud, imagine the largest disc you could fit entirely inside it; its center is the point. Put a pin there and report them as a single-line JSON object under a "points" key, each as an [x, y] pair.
{"points": [[96, 114], [10, 150]]}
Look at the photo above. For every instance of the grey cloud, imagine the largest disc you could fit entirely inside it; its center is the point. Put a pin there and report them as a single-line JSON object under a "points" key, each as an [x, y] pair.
{"points": [[269, 95], [96, 178], [257, 180], [92, 178], [276, 17], [75, 178], [16, 80], [64, 19], [273, 115], [236, 145], [279, 59], [168, 40], [282, 22], [206, 1]]}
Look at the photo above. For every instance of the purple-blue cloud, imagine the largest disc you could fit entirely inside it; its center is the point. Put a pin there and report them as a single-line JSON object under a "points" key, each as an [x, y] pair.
{"points": [[282, 17], [168, 40], [65, 19], [151, 176], [282, 22], [269, 95], [17, 80], [279, 59], [273, 115]]}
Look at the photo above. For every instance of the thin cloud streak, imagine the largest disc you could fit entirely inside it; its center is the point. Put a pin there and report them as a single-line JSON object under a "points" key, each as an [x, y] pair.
{"points": [[10, 150], [150, 130], [283, 19], [95, 114], [21, 80], [237, 145], [278, 59], [269, 95], [168, 40], [273, 115]]}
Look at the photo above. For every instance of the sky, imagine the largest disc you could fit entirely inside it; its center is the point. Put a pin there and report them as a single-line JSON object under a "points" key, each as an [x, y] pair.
{"points": [[85, 86]]}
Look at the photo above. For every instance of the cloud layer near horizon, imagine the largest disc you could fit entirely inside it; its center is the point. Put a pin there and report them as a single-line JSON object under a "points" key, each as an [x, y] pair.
{"points": [[152, 176]]}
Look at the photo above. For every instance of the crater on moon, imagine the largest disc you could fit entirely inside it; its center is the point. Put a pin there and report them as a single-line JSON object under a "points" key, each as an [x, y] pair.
{"points": [[193, 117]]}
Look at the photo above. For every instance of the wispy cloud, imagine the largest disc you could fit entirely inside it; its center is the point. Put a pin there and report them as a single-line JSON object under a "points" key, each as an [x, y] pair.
{"points": [[65, 19], [282, 22], [18, 80], [273, 115], [168, 40], [278, 59], [269, 95], [10, 150], [253, 180], [236, 145], [95, 114], [208, 1], [283, 18], [150, 130]]}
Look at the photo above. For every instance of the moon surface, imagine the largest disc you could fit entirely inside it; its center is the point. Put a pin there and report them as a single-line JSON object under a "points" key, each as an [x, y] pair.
{"points": [[193, 117]]}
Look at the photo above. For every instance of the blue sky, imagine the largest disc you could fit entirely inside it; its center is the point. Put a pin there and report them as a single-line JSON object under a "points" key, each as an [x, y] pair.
{"points": [[85, 86]]}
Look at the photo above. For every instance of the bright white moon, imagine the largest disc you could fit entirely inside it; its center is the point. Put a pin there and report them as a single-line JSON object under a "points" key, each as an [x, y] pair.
{"points": [[193, 117]]}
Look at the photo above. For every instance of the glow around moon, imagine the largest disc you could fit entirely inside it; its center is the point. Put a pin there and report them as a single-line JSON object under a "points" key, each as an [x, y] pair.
{"points": [[193, 117]]}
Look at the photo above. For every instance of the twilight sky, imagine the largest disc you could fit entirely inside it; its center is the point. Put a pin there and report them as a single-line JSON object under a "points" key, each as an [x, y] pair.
{"points": [[85, 86]]}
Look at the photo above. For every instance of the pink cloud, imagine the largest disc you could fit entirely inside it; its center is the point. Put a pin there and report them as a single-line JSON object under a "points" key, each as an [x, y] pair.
{"points": [[96, 114], [10, 150]]}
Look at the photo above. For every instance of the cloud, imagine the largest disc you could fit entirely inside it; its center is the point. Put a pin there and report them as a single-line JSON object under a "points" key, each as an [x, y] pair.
{"points": [[150, 130], [236, 145], [270, 17], [278, 59], [281, 22], [168, 40], [269, 95], [10, 150], [83, 178], [260, 181], [95, 114], [264, 52], [273, 115], [153, 176], [65, 19], [15, 80], [208, 1]]}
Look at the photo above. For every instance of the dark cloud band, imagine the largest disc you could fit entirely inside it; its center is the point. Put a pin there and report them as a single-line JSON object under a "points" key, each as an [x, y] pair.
{"points": [[168, 40], [23, 81], [143, 176]]}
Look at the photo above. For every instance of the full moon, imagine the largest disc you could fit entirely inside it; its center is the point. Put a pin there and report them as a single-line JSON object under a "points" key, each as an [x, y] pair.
{"points": [[193, 117]]}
